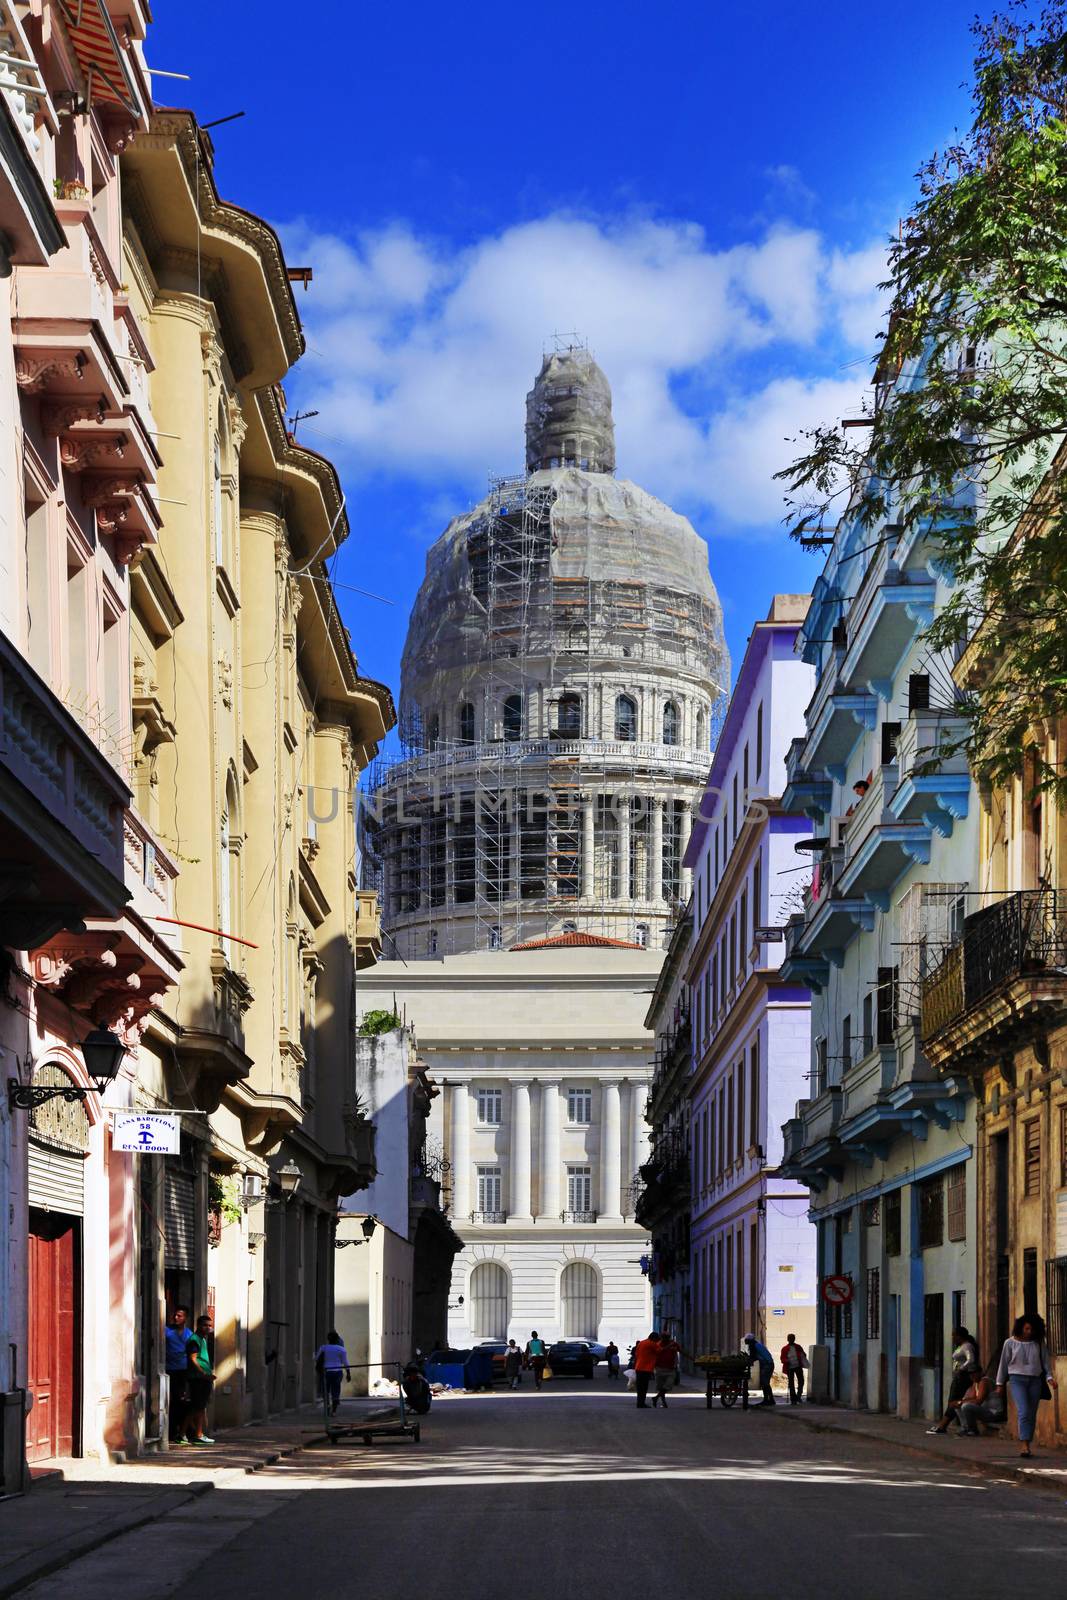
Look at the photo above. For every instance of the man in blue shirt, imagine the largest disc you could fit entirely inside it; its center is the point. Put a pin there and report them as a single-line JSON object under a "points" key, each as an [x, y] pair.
{"points": [[178, 1336], [759, 1353]]}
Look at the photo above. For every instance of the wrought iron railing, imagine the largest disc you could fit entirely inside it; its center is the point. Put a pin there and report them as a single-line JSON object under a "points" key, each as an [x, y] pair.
{"points": [[577, 1216], [489, 1216], [1023, 935]]}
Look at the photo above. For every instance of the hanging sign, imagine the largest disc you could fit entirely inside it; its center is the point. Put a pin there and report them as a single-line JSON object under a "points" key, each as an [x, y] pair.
{"points": [[152, 1133], [769, 935]]}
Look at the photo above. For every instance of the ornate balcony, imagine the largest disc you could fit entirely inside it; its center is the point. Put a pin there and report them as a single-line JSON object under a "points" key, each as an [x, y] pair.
{"points": [[898, 606], [879, 848], [61, 805], [492, 1217], [1005, 978], [812, 1152], [577, 1216], [843, 716], [368, 928]]}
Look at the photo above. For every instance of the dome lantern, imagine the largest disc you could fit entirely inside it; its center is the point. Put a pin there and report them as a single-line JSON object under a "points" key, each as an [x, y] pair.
{"points": [[568, 415]]}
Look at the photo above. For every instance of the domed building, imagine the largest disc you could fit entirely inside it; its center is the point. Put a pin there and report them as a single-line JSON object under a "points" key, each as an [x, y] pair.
{"points": [[561, 685], [561, 680]]}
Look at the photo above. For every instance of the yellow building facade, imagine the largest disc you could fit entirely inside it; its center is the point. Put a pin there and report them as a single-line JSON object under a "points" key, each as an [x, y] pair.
{"points": [[251, 724]]}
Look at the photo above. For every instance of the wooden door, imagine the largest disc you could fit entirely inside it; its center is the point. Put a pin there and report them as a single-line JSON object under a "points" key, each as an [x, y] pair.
{"points": [[53, 1335]]}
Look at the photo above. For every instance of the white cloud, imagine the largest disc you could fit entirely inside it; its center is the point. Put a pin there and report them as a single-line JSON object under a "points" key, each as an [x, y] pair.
{"points": [[420, 356]]}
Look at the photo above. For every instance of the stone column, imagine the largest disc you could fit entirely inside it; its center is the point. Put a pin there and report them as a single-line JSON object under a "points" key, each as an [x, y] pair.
{"points": [[638, 1126], [623, 835], [610, 1151], [520, 1151], [685, 874], [588, 846], [461, 1152], [657, 848], [550, 1175]]}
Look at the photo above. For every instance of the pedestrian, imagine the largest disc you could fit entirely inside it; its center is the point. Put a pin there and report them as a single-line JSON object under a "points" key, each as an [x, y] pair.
{"points": [[759, 1353], [513, 1364], [613, 1360], [644, 1365], [966, 1367], [177, 1365], [417, 1392], [1025, 1367], [667, 1354], [331, 1364], [794, 1363], [981, 1405], [535, 1357], [201, 1381]]}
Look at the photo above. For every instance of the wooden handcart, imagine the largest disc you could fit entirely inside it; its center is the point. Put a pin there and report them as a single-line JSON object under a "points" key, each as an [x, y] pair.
{"points": [[727, 1377], [389, 1421]]}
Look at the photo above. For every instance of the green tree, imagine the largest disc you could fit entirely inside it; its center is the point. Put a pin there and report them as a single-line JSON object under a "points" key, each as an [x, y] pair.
{"points": [[967, 425]]}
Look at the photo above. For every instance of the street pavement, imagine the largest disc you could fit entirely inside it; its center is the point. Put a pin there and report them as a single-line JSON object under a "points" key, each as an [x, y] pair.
{"points": [[572, 1492]]}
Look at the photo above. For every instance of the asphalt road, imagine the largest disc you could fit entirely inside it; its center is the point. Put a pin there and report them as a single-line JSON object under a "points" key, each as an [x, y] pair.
{"points": [[571, 1492]]}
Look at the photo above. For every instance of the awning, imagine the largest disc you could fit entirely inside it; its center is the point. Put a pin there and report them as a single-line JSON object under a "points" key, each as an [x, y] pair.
{"points": [[99, 54]]}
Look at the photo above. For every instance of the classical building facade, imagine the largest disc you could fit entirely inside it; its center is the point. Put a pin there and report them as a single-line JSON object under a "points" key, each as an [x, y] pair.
{"points": [[561, 678], [883, 1140], [252, 723], [753, 1248], [994, 1011]]}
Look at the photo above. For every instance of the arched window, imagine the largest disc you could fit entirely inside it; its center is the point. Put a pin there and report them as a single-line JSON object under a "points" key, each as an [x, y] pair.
{"points": [[625, 717], [570, 927], [569, 716], [513, 717], [433, 731], [670, 723], [229, 886], [216, 504], [580, 1300], [489, 1301], [642, 935], [702, 731], [496, 937], [466, 723]]}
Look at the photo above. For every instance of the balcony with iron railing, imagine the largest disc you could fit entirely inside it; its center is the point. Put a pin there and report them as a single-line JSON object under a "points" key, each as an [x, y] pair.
{"points": [[1005, 975], [577, 1216], [489, 1217]]}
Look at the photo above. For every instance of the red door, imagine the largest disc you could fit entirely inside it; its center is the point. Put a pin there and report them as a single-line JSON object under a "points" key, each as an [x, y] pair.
{"points": [[53, 1342]]}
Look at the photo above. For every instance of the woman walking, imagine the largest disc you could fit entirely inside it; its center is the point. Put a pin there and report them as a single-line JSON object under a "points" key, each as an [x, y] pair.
{"points": [[966, 1370], [1025, 1367]]}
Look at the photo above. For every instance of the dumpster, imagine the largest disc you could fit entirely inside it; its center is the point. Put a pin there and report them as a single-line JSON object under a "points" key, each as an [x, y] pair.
{"points": [[461, 1369]]}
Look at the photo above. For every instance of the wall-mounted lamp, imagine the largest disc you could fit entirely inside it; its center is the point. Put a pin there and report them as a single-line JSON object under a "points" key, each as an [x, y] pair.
{"points": [[367, 1227], [102, 1052], [287, 1181]]}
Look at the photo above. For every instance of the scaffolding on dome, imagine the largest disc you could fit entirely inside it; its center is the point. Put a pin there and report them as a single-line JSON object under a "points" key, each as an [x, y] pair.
{"points": [[497, 837]]}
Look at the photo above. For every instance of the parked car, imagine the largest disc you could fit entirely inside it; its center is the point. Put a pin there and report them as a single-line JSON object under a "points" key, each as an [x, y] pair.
{"points": [[600, 1351], [572, 1358], [498, 1349]]}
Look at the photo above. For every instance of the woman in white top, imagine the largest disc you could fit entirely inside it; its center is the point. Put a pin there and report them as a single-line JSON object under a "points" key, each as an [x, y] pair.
{"points": [[1025, 1367]]}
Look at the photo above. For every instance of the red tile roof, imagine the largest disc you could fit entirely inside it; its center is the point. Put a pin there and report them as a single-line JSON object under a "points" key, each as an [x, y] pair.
{"points": [[570, 941]]}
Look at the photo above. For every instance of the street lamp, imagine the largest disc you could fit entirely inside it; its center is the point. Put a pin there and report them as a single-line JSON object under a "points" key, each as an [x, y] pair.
{"points": [[367, 1227], [102, 1052], [288, 1179]]}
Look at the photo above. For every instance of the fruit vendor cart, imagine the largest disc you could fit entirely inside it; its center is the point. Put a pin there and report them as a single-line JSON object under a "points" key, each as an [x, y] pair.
{"points": [[727, 1377]]}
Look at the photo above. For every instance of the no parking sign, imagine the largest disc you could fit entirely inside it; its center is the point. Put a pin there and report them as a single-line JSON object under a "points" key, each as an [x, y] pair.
{"points": [[837, 1290]]}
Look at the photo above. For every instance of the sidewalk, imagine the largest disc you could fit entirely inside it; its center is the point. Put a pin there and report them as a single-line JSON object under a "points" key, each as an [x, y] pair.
{"points": [[84, 1505], [995, 1456]]}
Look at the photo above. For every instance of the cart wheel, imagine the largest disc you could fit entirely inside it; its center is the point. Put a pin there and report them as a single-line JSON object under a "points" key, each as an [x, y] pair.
{"points": [[728, 1394], [416, 1433]]}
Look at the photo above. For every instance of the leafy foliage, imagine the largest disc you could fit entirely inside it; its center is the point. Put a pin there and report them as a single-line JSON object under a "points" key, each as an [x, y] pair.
{"points": [[379, 1021], [966, 443]]}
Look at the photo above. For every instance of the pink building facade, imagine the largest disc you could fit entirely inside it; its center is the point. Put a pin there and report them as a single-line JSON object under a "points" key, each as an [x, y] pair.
{"points": [[752, 1263], [84, 882]]}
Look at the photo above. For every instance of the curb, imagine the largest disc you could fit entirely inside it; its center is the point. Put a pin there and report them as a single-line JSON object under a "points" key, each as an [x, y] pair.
{"points": [[33, 1570], [982, 1469]]}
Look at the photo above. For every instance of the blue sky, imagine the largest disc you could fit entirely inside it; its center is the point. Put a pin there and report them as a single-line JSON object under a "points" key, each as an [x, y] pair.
{"points": [[701, 190]]}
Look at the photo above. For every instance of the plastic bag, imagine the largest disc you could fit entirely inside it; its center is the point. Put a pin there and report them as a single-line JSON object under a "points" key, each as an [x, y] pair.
{"points": [[631, 1378], [547, 1373]]}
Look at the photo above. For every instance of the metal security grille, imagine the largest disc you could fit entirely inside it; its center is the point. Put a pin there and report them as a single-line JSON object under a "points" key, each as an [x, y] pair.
{"points": [[179, 1222], [957, 1202], [874, 1302], [578, 1292], [56, 1179], [489, 1301], [1032, 1156], [1056, 1304]]}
